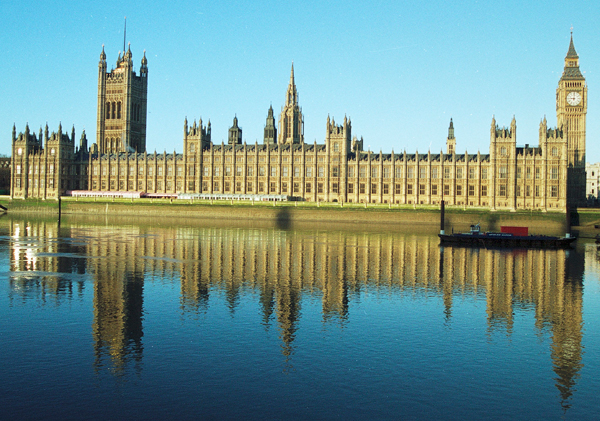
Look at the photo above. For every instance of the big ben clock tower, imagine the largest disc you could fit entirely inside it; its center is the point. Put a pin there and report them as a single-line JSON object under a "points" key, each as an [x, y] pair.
{"points": [[571, 108]]}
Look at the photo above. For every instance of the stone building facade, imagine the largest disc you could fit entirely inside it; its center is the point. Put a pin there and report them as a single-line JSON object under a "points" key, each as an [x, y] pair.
{"points": [[544, 177]]}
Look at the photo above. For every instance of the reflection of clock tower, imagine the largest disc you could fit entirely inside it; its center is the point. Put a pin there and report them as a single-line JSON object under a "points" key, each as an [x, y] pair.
{"points": [[571, 108]]}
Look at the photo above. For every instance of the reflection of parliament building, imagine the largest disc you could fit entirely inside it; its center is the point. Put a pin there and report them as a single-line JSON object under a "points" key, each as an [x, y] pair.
{"points": [[286, 267], [543, 177]]}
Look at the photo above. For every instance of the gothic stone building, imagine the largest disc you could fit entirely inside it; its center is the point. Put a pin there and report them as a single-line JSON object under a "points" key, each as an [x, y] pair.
{"points": [[544, 177]]}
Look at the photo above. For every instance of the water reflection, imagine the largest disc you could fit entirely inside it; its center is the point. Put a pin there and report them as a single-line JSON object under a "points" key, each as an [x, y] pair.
{"points": [[283, 267]]}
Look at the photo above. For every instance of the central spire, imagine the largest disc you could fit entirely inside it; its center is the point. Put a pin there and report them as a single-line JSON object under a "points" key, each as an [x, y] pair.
{"points": [[291, 123], [292, 93]]}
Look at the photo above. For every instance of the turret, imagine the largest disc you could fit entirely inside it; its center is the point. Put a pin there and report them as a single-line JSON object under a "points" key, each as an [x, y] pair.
{"points": [[451, 141]]}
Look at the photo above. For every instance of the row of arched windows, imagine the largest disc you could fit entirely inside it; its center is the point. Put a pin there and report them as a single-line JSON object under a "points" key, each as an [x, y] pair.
{"points": [[112, 144], [113, 110]]}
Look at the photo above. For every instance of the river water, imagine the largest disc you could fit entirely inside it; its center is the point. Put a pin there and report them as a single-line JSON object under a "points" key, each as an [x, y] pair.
{"points": [[153, 319]]}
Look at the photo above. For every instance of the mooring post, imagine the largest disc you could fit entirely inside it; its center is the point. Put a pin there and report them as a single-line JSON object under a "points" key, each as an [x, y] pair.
{"points": [[568, 222], [442, 211]]}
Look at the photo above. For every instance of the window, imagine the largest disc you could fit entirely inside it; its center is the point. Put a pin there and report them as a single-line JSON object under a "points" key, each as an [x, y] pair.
{"points": [[434, 189], [261, 187], [373, 188], [284, 187], [423, 172], [18, 169], [484, 173], [217, 171], [471, 190], [227, 170], [471, 173], [434, 173], [554, 151], [160, 170], [553, 191], [296, 171], [321, 171], [502, 151], [250, 171], [519, 172], [537, 191], [554, 173], [273, 187], [309, 171], [503, 171], [216, 186], [239, 171], [362, 172], [537, 173], [528, 172], [446, 189], [447, 173], [361, 188], [459, 173], [398, 172], [320, 188], [518, 191], [374, 172], [296, 187], [335, 171], [206, 171], [398, 189], [410, 172], [459, 190], [386, 172], [409, 189], [284, 171], [273, 171], [205, 186], [350, 188], [335, 188], [484, 190], [249, 186], [502, 190], [192, 171], [261, 171], [308, 187], [336, 147], [386, 188], [528, 191], [351, 172], [421, 188]]}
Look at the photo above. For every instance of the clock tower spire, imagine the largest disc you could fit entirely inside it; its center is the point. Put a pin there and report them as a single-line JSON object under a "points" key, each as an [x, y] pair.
{"points": [[571, 110]]}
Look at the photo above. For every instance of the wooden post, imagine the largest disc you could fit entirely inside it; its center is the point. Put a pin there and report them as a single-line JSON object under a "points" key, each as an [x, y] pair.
{"points": [[442, 211]]}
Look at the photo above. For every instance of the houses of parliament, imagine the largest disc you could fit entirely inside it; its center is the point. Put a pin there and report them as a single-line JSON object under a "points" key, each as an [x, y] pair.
{"points": [[546, 177]]}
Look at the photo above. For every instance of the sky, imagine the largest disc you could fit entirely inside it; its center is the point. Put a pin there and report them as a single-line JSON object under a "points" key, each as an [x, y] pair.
{"points": [[398, 69]]}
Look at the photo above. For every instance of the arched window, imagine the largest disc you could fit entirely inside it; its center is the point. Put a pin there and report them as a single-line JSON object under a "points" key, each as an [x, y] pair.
{"points": [[114, 114], [119, 110], [108, 110]]}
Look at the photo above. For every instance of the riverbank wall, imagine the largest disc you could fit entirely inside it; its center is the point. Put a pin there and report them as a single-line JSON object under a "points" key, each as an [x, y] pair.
{"points": [[290, 214]]}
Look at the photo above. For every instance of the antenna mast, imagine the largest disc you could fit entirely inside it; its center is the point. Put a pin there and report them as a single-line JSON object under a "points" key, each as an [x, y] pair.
{"points": [[124, 35]]}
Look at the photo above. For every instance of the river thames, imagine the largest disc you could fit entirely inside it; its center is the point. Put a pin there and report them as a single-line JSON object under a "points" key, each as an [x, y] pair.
{"points": [[153, 319]]}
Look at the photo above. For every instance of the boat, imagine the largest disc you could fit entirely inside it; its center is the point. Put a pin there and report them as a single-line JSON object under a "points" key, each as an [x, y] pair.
{"points": [[515, 237], [507, 237]]}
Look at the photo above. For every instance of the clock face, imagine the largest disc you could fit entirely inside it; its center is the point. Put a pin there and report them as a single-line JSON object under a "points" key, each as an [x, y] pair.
{"points": [[573, 98]]}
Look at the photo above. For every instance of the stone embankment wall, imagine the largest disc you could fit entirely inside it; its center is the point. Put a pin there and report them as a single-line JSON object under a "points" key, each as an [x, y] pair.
{"points": [[292, 214]]}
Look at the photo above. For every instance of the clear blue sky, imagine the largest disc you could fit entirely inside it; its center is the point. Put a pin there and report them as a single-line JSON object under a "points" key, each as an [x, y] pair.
{"points": [[399, 69]]}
